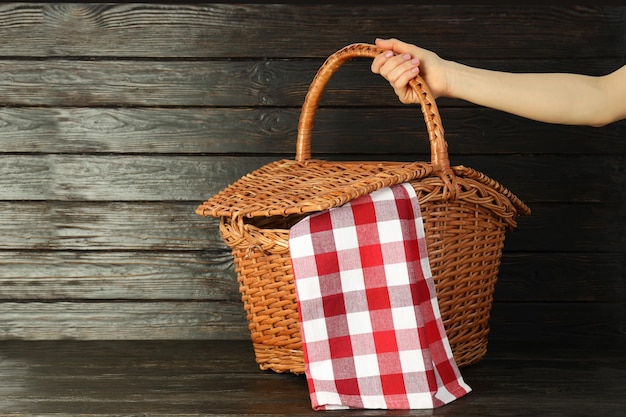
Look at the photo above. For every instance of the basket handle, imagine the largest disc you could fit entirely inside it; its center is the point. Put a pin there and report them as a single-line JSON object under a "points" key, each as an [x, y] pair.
{"points": [[438, 145]]}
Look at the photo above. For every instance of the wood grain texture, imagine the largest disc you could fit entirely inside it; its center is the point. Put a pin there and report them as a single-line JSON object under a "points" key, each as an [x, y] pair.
{"points": [[590, 179], [273, 131], [161, 226], [110, 320], [122, 275], [118, 119], [218, 30], [106, 226], [265, 81], [219, 378]]}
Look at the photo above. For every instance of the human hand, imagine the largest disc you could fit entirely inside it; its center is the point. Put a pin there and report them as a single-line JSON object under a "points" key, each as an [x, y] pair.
{"points": [[402, 61]]}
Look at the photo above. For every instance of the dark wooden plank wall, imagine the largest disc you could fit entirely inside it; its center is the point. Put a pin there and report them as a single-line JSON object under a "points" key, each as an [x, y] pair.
{"points": [[117, 120]]}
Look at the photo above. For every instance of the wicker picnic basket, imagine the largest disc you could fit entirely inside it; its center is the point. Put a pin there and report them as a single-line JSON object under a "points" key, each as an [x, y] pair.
{"points": [[465, 213]]}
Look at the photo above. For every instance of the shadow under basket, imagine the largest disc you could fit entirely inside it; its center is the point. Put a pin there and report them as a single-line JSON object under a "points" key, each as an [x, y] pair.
{"points": [[466, 215]]}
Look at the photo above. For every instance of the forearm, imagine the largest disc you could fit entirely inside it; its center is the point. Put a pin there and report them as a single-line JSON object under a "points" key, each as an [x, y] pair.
{"points": [[549, 97]]}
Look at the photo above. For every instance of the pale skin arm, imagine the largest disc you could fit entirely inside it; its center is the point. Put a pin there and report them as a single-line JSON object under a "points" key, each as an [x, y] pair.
{"points": [[561, 98]]}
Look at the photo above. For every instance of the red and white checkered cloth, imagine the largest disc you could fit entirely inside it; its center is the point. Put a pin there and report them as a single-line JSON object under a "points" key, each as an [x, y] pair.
{"points": [[371, 328]]}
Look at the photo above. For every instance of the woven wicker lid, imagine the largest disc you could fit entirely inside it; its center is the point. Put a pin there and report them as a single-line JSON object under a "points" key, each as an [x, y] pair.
{"points": [[289, 187]]}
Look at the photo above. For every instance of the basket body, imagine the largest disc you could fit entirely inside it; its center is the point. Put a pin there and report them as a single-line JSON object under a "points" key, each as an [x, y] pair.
{"points": [[465, 213], [464, 241]]}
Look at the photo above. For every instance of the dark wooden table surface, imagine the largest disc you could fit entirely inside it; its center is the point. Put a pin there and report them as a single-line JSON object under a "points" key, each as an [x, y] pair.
{"points": [[220, 378]]}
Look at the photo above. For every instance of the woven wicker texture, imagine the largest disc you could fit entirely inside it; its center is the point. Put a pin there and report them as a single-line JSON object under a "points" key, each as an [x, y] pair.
{"points": [[466, 215]]}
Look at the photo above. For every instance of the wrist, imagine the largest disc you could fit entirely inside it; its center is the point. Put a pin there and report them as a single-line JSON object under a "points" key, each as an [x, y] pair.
{"points": [[453, 75]]}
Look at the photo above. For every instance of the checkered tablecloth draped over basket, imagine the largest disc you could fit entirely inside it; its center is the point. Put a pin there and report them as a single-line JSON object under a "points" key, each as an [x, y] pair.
{"points": [[372, 333]]}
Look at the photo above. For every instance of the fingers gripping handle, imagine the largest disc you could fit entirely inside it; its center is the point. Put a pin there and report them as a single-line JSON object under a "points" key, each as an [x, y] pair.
{"points": [[438, 145]]}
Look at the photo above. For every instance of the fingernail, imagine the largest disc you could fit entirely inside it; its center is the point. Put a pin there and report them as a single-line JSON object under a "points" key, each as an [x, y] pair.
{"points": [[389, 54], [406, 57]]}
